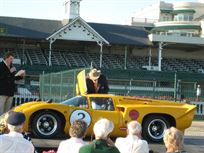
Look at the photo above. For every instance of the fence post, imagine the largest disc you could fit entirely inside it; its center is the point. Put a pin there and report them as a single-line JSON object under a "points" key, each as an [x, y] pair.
{"points": [[129, 90], [61, 86], [154, 87], [42, 84], [74, 84], [50, 92], [175, 86]]}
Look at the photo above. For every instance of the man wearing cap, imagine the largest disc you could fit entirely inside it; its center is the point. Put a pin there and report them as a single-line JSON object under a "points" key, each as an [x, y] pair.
{"points": [[96, 82], [14, 142]]}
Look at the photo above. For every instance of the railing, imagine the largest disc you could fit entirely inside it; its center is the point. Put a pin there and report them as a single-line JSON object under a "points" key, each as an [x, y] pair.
{"points": [[20, 99], [144, 20], [200, 107]]}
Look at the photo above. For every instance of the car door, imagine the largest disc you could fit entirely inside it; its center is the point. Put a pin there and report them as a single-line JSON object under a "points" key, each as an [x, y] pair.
{"points": [[104, 107]]}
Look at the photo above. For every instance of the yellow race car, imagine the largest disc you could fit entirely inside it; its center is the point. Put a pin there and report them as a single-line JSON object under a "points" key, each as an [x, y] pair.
{"points": [[47, 120]]}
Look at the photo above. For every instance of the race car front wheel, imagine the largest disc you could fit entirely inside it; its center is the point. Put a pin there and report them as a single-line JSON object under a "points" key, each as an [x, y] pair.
{"points": [[46, 124], [154, 127]]}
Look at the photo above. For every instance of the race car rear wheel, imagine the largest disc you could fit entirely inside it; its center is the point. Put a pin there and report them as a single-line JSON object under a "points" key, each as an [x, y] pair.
{"points": [[154, 127], [46, 124]]}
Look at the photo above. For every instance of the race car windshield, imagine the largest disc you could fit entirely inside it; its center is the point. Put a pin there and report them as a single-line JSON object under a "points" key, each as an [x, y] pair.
{"points": [[76, 101]]}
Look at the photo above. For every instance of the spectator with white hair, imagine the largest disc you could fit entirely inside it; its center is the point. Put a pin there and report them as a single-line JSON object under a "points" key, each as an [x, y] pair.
{"points": [[133, 142], [102, 143], [14, 142], [173, 140]]}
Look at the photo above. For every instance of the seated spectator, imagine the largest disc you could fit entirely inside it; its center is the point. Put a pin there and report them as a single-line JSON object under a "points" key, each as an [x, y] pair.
{"points": [[173, 140], [77, 132], [14, 142], [96, 82], [102, 142], [132, 143], [4, 127]]}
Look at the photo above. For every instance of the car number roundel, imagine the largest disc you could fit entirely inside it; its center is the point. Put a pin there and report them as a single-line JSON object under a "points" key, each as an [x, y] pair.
{"points": [[80, 114]]}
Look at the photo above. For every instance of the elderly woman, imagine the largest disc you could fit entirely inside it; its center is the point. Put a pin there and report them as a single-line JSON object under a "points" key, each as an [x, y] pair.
{"points": [[173, 140], [77, 131], [102, 142]]}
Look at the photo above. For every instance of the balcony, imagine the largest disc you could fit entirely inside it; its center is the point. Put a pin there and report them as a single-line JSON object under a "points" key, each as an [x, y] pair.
{"points": [[173, 25]]}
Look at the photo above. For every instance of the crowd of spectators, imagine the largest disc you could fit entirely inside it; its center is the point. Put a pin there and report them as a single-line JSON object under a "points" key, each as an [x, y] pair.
{"points": [[13, 140]]}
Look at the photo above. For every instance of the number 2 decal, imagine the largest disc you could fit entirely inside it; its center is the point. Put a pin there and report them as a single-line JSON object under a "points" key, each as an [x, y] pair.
{"points": [[80, 114]]}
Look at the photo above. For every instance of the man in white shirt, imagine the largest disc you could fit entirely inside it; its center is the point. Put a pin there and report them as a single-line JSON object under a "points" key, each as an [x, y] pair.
{"points": [[14, 142], [77, 132], [133, 142]]}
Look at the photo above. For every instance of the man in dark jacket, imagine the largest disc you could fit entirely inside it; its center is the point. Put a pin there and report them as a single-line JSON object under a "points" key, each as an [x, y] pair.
{"points": [[96, 82], [8, 76]]}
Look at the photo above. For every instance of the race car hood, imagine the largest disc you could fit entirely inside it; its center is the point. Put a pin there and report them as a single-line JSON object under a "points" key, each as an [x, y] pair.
{"points": [[28, 105], [38, 105]]}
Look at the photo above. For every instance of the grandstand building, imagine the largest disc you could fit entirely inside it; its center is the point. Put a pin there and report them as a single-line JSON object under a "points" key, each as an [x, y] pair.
{"points": [[71, 42], [178, 28]]}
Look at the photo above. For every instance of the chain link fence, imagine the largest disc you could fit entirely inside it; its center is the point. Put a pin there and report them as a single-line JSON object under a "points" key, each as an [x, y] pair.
{"points": [[58, 86], [150, 84]]}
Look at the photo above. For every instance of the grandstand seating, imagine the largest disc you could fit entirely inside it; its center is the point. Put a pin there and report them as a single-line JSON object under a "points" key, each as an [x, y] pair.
{"points": [[36, 57], [71, 59], [56, 58], [74, 59]]}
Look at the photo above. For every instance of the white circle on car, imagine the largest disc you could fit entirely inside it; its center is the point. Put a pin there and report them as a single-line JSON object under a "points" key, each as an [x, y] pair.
{"points": [[80, 114]]}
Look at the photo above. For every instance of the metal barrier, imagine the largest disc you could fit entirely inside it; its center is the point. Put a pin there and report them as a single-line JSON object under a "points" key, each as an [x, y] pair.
{"points": [[175, 86], [200, 107], [20, 99], [58, 86]]}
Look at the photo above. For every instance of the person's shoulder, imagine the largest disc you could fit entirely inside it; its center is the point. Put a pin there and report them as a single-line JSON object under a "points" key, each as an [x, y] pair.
{"points": [[141, 142], [86, 148], [22, 140], [88, 80], [27, 142], [4, 136], [102, 76], [120, 140], [114, 149], [64, 142], [144, 141]]}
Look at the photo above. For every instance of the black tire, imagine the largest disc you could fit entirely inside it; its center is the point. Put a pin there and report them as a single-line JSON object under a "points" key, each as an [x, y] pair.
{"points": [[46, 124], [153, 128]]}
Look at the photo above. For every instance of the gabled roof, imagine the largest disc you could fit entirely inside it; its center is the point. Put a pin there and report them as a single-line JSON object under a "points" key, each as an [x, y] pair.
{"points": [[42, 29], [79, 30]]}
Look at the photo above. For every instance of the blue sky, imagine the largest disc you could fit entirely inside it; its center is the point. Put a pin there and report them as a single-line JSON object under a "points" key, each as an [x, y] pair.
{"points": [[104, 11]]}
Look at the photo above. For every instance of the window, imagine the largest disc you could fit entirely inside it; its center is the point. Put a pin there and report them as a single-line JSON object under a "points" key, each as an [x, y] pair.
{"points": [[78, 101], [102, 103], [183, 17]]}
